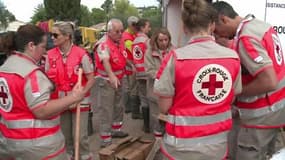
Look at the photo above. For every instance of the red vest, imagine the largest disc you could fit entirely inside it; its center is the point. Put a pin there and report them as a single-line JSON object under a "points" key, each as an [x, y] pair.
{"points": [[201, 110], [18, 124], [117, 60], [126, 52], [261, 105], [64, 75], [139, 48]]}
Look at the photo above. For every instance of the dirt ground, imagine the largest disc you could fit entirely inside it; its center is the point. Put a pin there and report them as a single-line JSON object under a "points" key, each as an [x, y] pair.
{"points": [[131, 126]]}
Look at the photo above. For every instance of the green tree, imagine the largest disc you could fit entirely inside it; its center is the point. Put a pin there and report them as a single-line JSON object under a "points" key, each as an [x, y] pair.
{"points": [[5, 16], [123, 9], [39, 14], [107, 6], [85, 16], [154, 15], [98, 15], [63, 9]]}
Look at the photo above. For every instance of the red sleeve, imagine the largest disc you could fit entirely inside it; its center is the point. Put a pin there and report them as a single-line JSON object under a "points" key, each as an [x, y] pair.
{"points": [[164, 63]]}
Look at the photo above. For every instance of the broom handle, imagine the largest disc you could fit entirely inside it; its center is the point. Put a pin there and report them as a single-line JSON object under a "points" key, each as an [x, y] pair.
{"points": [[77, 119]]}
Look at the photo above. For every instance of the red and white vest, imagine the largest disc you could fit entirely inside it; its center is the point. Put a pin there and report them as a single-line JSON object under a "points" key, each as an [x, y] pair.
{"points": [[17, 123], [201, 110], [126, 52], [117, 60], [64, 75], [139, 48], [254, 107]]}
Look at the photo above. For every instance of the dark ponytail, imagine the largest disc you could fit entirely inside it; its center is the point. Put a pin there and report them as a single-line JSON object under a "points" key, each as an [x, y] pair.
{"points": [[7, 45], [140, 24]]}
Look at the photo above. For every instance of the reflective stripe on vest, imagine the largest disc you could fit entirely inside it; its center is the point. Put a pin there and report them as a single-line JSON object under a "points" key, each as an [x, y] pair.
{"points": [[251, 113], [252, 99], [105, 74], [35, 141], [201, 120], [266, 109], [30, 123], [128, 68], [141, 75], [139, 65], [184, 142]]}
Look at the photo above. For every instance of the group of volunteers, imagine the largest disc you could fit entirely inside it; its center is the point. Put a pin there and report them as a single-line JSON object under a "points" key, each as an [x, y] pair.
{"points": [[222, 93]]}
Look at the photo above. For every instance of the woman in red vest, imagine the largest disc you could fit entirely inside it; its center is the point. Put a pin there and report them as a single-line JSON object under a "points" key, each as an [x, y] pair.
{"points": [[196, 85], [139, 47], [29, 119], [63, 62]]}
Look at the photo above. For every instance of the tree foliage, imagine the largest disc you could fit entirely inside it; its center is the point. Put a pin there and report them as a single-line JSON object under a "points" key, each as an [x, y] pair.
{"points": [[39, 14], [123, 9], [63, 9], [5, 16], [85, 16], [98, 15], [154, 15]]}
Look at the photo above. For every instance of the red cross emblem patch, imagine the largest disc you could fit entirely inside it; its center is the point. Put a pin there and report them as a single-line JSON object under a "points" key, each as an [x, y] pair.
{"points": [[277, 50], [212, 84], [6, 101], [137, 52]]}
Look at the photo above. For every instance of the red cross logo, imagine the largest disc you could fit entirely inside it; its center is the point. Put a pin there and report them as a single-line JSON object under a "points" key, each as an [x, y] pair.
{"points": [[212, 84], [277, 48], [3, 95], [137, 53]]}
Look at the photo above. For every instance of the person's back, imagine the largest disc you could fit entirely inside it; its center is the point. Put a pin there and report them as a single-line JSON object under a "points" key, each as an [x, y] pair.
{"points": [[261, 103], [196, 85], [256, 30]]}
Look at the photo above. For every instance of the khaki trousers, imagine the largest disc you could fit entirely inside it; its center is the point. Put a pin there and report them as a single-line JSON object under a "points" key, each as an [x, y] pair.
{"points": [[109, 103], [198, 152], [68, 128], [255, 143]]}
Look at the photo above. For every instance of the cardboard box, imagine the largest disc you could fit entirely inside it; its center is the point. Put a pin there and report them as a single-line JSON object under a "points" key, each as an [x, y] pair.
{"points": [[129, 148]]}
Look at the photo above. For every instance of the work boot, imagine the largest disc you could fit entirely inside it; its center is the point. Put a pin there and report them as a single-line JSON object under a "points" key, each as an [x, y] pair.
{"points": [[135, 104], [119, 134], [128, 104], [145, 111]]}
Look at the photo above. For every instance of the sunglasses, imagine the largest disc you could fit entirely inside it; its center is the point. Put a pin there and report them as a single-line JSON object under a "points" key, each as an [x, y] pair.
{"points": [[55, 35]]}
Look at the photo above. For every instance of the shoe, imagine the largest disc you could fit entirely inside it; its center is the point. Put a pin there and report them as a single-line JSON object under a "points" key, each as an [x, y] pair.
{"points": [[119, 134], [145, 114], [128, 110], [105, 144], [135, 107]]}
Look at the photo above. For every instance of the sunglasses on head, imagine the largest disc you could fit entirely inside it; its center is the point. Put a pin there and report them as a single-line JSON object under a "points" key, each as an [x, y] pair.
{"points": [[55, 35]]}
